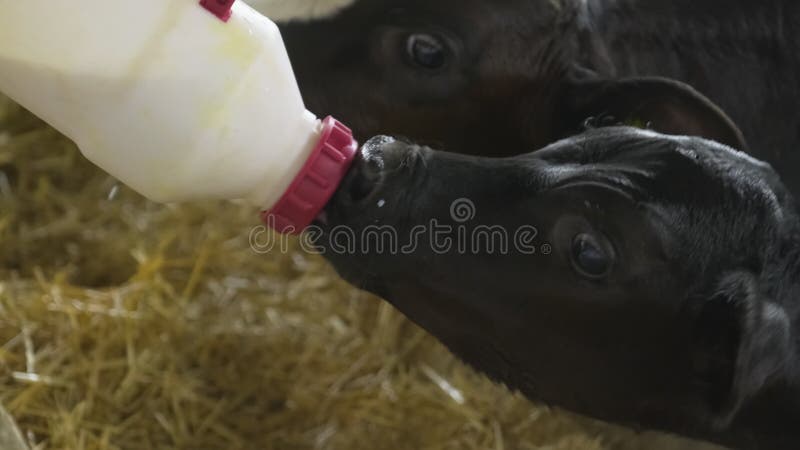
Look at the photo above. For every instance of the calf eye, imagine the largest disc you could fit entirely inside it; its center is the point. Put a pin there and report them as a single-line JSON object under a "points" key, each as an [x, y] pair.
{"points": [[592, 256], [426, 51]]}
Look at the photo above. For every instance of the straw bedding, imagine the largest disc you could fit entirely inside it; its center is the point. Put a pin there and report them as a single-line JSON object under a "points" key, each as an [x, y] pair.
{"points": [[130, 325]]}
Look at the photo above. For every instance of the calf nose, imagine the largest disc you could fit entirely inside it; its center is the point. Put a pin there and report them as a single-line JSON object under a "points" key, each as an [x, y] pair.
{"points": [[377, 156]]}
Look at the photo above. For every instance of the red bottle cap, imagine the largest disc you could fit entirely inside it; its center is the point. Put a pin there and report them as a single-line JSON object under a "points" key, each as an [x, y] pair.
{"points": [[317, 181]]}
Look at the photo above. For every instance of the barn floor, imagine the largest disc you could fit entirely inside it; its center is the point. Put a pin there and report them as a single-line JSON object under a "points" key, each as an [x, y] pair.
{"points": [[129, 325]]}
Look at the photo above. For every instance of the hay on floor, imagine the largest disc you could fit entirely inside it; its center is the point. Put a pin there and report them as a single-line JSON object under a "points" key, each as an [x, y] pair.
{"points": [[130, 325]]}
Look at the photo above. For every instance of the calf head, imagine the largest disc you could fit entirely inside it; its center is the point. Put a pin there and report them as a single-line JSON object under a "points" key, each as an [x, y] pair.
{"points": [[623, 274], [489, 78]]}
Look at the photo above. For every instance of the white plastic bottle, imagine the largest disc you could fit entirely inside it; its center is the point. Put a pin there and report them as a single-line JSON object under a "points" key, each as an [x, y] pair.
{"points": [[179, 99]]}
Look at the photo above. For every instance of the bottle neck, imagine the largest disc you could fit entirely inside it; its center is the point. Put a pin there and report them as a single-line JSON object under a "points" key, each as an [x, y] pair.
{"points": [[303, 137]]}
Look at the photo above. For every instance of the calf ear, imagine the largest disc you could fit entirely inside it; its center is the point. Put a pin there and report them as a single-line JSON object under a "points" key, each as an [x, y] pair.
{"points": [[665, 105], [740, 343]]}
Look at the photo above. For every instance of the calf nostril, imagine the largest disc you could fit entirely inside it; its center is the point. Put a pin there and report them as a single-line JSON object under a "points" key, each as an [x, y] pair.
{"points": [[366, 177], [367, 172]]}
